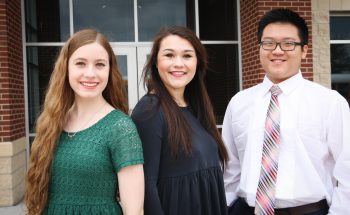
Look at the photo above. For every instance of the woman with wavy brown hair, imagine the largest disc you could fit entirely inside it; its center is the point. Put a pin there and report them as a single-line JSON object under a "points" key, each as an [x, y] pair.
{"points": [[86, 149], [183, 150]]}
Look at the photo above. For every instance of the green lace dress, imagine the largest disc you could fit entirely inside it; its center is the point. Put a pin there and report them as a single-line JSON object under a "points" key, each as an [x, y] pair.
{"points": [[83, 176]]}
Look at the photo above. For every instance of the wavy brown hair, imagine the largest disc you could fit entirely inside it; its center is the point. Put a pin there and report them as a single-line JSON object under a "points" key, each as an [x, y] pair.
{"points": [[196, 96], [58, 100]]}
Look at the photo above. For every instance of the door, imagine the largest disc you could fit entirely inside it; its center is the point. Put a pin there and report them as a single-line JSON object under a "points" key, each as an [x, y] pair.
{"points": [[131, 61], [142, 56]]}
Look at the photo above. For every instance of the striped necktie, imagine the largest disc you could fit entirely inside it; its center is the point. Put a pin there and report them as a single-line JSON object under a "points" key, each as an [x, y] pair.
{"points": [[265, 195]]}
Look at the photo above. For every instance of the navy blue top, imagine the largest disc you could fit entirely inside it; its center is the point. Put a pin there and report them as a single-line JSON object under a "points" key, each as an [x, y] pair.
{"points": [[191, 184]]}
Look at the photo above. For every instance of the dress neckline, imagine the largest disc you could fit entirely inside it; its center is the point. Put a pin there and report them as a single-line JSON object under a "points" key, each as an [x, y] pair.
{"points": [[90, 127]]}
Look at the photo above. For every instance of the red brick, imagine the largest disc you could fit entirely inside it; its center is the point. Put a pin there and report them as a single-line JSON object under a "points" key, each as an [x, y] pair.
{"points": [[285, 4], [251, 12], [11, 71], [298, 4]]}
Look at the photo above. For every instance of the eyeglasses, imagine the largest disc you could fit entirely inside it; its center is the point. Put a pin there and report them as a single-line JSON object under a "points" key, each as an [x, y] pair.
{"points": [[284, 45]]}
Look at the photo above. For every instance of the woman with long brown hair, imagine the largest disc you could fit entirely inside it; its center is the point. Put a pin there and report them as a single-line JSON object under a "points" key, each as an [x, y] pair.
{"points": [[86, 148], [183, 150]]}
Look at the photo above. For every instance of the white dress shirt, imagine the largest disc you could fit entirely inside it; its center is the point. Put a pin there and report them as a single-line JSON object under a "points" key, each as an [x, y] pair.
{"points": [[314, 152]]}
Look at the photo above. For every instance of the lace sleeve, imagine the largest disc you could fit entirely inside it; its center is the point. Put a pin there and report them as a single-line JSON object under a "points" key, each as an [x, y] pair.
{"points": [[124, 144]]}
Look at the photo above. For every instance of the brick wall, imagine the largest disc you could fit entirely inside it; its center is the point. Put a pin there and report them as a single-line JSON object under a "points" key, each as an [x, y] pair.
{"points": [[251, 11], [12, 122]]}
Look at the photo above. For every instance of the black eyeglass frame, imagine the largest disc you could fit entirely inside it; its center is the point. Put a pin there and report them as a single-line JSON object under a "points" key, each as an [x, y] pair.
{"points": [[280, 45]]}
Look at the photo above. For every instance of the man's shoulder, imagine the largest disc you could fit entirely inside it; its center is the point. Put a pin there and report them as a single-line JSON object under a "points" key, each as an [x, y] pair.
{"points": [[244, 98], [247, 93], [313, 87], [321, 94]]}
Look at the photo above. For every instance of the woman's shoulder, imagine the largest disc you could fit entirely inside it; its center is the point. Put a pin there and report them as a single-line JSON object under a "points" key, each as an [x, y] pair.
{"points": [[118, 120], [148, 100], [148, 110], [149, 103], [118, 115]]}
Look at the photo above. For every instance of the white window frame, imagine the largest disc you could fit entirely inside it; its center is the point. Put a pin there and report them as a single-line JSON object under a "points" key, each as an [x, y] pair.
{"points": [[340, 78]]}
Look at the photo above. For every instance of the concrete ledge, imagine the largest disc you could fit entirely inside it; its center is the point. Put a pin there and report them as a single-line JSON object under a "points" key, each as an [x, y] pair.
{"points": [[11, 164], [12, 171], [8, 149], [13, 196], [10, 181]]}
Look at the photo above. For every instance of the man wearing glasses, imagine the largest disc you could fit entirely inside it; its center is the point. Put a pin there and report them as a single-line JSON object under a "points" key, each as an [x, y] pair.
{"points": [[288, 138]]}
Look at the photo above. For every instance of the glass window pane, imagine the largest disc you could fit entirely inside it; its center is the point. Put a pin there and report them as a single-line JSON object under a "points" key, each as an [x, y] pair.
{"points": [[123, 69], [340, 58], [343, 89], [122, 64], [152, 15], [222, 79], [47, 21], [40, 62], [217, 20], [31, 139], [338, 29], [115, 19], [340, 67]]}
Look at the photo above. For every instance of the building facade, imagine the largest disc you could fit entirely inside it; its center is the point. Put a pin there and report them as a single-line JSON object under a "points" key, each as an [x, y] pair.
{"points": [[33, 31]]}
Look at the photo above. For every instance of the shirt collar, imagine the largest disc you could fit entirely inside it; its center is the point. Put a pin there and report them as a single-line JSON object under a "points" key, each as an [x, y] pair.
{"points": [[286, 86]]}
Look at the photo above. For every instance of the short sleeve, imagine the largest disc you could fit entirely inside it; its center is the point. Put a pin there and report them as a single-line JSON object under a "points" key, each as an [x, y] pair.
{"points": [[125, 145]]}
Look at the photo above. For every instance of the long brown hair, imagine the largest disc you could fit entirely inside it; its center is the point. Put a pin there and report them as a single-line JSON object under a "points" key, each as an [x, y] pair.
{"points": [[58, 100], [196, 96]]}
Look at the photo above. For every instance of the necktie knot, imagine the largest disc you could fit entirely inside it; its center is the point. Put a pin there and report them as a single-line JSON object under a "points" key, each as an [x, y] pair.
{"points": [[275, 90]]}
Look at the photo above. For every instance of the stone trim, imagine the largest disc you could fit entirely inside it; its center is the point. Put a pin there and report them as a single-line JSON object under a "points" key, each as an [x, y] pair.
{"points": [[320, 42], [8, 149], [13, 168]]}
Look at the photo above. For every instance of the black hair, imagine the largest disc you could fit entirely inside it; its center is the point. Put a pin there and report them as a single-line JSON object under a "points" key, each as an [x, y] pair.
{"points": [[283, 15]]}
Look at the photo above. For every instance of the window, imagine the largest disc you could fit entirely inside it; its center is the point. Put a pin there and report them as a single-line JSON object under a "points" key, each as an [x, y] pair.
{"points": [[222, 78], [115, 19], [46, 21], [152, 15], [218, 31], [131, 24], [340, 54], [40, 63]]}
